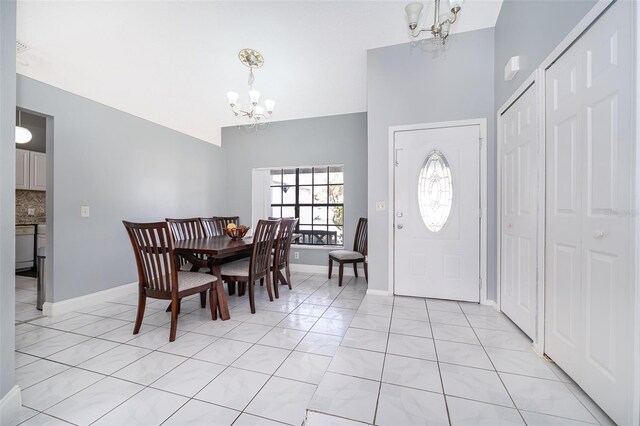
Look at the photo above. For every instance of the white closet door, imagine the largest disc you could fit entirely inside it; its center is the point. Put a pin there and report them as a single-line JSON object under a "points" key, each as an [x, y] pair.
{"points": [[519, 206], [589, 288]]}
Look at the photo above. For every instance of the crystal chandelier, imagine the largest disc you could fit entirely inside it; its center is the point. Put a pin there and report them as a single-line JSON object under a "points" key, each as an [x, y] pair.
{"points": [[254, 116], [441, 24]]}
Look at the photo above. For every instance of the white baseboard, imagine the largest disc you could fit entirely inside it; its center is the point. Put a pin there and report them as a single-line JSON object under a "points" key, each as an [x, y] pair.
{"points": [[492, 303], [50, 309], [372, 292], [10, 405], [322, 269]]}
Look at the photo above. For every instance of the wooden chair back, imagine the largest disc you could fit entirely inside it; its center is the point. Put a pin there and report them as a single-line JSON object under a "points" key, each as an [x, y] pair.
{"points": [[212, 226], [225, 220], [263, 237], [153, 247], [283, 242], [360, 240], [184, 229]]}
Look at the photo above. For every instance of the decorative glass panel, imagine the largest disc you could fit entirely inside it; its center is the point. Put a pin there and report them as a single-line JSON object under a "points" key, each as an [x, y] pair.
{"points": [[435, 191]]}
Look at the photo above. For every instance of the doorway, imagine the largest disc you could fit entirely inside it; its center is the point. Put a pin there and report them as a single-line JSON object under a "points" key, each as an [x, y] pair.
{"points": [[439, 190]]}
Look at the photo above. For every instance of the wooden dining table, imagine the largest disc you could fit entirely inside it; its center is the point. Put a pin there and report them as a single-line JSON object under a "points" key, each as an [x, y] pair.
{"points": [[217, 248]]}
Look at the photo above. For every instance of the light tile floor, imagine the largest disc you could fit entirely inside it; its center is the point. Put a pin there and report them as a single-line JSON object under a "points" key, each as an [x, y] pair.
{"points": [[326, 352], [26, 298]]}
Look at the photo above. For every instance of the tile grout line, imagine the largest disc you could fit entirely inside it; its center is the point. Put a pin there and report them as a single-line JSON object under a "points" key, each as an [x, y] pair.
{"points": [[435, 348]]}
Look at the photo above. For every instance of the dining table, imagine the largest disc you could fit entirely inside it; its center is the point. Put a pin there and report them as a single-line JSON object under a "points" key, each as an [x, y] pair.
{"points": [[216, 249]]}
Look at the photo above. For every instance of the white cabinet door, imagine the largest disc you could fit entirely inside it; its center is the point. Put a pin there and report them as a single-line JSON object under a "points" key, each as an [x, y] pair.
{"points": [[589, 235], [437, 203], [22, 169], [519, 196], [37, 171]]}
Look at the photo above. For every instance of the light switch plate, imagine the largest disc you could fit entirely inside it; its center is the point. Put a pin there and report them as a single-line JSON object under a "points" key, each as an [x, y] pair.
{"points": [[380, 206], [84, 211]]}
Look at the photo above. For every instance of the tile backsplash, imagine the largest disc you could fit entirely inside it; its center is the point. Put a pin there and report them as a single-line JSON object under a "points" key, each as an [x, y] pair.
{"points": [[30, 199]]}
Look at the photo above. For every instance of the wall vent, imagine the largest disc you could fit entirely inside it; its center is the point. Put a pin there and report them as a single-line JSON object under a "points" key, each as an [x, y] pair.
{"points": [[21, 47]]}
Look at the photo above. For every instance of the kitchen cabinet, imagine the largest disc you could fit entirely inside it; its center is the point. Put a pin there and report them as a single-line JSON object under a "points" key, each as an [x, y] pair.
{"points": [[22, 169], [37, 171], [31, 170]]}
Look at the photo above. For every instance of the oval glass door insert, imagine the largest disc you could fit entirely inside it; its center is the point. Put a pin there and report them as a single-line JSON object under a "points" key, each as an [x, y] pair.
{"points": [[435, 191]]}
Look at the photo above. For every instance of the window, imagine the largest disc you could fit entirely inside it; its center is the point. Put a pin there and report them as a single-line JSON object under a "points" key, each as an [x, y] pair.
{"points": [[435, 191], [314, 195]]}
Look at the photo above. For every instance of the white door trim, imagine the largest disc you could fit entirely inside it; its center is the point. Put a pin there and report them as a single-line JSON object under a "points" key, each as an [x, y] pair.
{"points": [[533, 79], [482, 124]]}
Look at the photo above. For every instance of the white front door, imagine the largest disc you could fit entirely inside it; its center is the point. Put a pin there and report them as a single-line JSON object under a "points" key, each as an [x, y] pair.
{"points": [[519, 160], [437, 206], [589, 233]]}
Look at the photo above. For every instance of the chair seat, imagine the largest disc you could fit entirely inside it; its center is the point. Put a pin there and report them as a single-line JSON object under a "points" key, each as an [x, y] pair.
{"points": [[189, 280], [187, 268], [346, 255], [238, 268]]}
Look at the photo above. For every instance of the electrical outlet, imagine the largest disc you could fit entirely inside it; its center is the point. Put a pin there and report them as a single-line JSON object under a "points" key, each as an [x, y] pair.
{"points": [[296, 255], [31, 211], [380, 206], [84, 211]]}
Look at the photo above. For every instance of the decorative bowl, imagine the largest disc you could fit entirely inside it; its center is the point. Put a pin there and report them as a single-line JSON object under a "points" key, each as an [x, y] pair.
{"points": [[237, 233]]}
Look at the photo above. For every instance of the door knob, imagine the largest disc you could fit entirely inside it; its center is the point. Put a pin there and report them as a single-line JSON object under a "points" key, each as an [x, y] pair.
{"points": [[400, 226], [598, 235]]}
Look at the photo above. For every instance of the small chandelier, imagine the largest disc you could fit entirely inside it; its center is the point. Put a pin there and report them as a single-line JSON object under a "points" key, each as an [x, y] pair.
{"points": [[254, 116], [441, 24]]}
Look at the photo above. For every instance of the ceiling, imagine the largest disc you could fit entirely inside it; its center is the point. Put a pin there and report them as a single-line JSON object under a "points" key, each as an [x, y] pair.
{"points": [[172, 62]]}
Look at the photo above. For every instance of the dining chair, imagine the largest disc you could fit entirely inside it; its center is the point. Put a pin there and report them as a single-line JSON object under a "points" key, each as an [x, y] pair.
{"points": [[213, 226], [257, 266], [228, 219], [158, 274], [281, 254], [355, 256]]}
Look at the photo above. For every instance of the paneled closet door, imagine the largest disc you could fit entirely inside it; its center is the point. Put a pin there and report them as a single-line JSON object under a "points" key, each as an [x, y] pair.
{"points": [[519, 206], [589, 288]]}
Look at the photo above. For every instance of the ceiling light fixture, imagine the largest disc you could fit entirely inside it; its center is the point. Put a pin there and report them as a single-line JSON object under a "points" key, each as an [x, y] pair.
{"points": [[254, 116], [23, 135], [441, 24]]}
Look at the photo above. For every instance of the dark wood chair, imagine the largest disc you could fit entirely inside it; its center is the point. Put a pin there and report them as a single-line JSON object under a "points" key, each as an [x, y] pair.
{"points": [[247, 271], [225, 220], [355, 256], [281, 254], [213, 227], [158, 274]]}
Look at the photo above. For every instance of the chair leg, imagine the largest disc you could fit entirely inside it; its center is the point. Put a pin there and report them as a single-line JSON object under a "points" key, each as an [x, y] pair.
{"points": [[175, 308], [231, 285], [261, 282], [288, 271], [213, 300], [142, 302], [355, 269], [252, 301], [366, 272], [330, 267], [179, 304], [340, 273], [203, 299], [276, 283], [269, 289]]}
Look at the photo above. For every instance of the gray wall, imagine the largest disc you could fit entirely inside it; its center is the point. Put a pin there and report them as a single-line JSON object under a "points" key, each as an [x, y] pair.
{"points": [[123, 167], [7, 192], [338, 139], [531, 29], [411, 85]]}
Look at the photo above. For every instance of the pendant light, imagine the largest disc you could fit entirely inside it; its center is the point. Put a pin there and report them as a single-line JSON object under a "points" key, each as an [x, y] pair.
{"points": [[23, 135]]}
